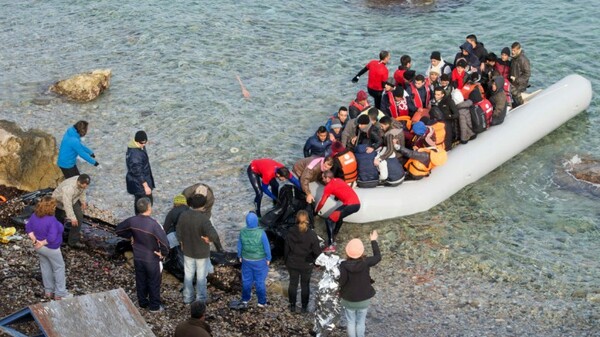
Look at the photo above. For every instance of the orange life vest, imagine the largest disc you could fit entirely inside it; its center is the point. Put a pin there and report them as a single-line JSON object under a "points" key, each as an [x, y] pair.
{"points": [[469, 87], [349, 166], [419, 169], [440, 135]]}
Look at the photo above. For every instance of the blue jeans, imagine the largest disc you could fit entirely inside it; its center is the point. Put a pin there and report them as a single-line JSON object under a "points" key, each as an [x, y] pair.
{"points": [[199, 267], [254, 272], [356, 321]]}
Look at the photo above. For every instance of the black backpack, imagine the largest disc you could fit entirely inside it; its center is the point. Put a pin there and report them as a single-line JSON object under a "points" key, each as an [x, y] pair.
{"points": [[478, 123]]}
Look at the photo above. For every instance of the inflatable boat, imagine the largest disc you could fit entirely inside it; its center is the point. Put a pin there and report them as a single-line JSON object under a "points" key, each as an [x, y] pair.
{"points": [[543, 113]]}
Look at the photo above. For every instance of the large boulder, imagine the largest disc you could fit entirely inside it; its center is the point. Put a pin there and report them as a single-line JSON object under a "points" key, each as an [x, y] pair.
{"points": [[27, 158], [580, 175], [84, 87]]}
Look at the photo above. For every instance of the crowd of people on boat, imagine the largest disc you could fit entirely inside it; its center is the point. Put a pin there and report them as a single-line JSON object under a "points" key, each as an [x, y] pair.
{"points": [[414, 120]]}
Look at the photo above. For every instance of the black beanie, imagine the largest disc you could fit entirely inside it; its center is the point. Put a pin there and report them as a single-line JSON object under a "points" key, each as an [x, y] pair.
{"points": [[506, 51], [435, 56], [140, 136]]}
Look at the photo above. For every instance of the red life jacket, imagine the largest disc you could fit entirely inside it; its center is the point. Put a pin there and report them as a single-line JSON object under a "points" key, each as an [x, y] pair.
{"points": [[507, 92], [417, 98], [488, 109], [503, 69], [355, 104], [399, 77]]}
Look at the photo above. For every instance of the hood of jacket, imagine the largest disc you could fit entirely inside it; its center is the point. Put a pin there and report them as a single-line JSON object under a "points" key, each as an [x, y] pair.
{"points": [[499, 81], [251, 220], [467, 46], [133, 145], [72, 133]]}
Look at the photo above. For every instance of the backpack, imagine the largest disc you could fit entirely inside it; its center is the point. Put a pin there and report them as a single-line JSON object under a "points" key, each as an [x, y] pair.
{"points": [[478, 123]]}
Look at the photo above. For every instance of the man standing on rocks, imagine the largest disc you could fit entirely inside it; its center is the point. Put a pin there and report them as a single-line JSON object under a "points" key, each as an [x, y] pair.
{"points": [[150, 245], [71, 147], [140, 181], [195, 232], [70, 203]]}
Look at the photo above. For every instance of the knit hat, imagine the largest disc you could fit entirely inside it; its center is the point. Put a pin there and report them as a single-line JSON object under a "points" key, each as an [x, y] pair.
{"points": [[355, 249], [390, 81], [140, 136], [361, 96], [475, 96], [335, 123], [179, 199], [409, 75], [461, 63], [337, 147], [506, 51], [399, 91], [435, 56], [419, 128], [363, 119]]}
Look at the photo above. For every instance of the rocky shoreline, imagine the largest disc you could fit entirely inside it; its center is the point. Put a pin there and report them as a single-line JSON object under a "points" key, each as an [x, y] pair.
{"points": [[422, 290]]}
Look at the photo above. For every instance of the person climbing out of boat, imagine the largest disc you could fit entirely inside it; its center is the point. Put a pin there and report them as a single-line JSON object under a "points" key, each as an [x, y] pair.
{"points": [[318, 144], [367, 132], [387, 161], [444, 105], [378, 73], [342, 117], [358, 105], [344, 166], [71, 147], [422, 161], [498, 100], [421, 97], [264, 173], [503, 63], [520, 71], [459, 75], [405, 64], [438, 64], [387, 101], [350, 204], [309, 170]]}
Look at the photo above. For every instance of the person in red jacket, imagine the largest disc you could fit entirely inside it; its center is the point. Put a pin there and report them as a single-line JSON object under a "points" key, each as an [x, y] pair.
{"points": [[378, 73], [264, 173], [350, 204]]}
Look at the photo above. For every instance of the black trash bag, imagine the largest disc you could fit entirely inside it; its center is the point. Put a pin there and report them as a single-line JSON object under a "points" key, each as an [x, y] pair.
{"points": [[278, 220], [174, 261]]}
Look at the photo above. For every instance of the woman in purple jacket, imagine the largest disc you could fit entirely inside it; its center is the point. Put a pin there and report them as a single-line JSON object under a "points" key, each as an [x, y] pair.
{"points": [[45, 233]]}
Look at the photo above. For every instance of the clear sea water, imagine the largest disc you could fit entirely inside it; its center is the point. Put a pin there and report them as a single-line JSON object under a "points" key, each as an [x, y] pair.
{"points": [[174, 70]]}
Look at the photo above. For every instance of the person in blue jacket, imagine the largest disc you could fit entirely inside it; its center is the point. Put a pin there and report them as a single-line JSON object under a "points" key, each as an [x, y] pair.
{"points": [[71, 147], [319, 144], [254, 252], [139, 179]]}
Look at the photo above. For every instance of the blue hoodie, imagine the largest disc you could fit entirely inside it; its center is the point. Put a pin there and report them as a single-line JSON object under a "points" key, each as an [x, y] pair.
{"points": [[70, 148], [252, 225]]}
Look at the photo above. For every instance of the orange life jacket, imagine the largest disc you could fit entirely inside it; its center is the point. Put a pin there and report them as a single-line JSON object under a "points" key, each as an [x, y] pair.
{"points": [[469, 87], [349, 166], [440, 135], [418, 169]]}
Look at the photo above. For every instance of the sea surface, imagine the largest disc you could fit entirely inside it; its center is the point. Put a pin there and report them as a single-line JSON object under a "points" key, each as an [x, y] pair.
{"points": [[174, 66]]}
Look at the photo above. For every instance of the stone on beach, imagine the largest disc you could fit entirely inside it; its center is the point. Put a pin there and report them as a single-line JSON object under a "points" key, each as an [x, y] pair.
{"points": [[84, 87], [27, 158]]}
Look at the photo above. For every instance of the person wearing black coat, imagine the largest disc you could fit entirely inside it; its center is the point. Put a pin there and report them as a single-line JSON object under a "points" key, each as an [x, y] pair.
{"points": [[356, 289], [300, 252], [444, 104], [140, 181]]}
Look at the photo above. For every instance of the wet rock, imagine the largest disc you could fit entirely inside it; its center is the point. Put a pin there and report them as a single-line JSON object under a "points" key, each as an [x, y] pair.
{"points": [[84, 87], [27, 158], [593, 298], [580, 174]]}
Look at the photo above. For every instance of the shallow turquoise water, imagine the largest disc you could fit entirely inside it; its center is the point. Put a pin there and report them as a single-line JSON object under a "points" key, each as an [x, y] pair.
{"points": [[174, 68]]}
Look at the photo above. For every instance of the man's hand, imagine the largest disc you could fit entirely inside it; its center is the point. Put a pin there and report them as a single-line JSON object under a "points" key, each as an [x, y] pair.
{"points": [[206, 239], [355, 79], [376, 161], [310, 199], [331, 137], [370, 149], [374, 235], [147, 189], [83, 205], [74, 222], [268, 262], [157, 253], [353, 140]]}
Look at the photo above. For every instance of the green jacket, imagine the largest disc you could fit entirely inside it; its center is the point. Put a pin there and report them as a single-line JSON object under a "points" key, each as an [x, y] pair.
{"points": [[252, 245]]}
